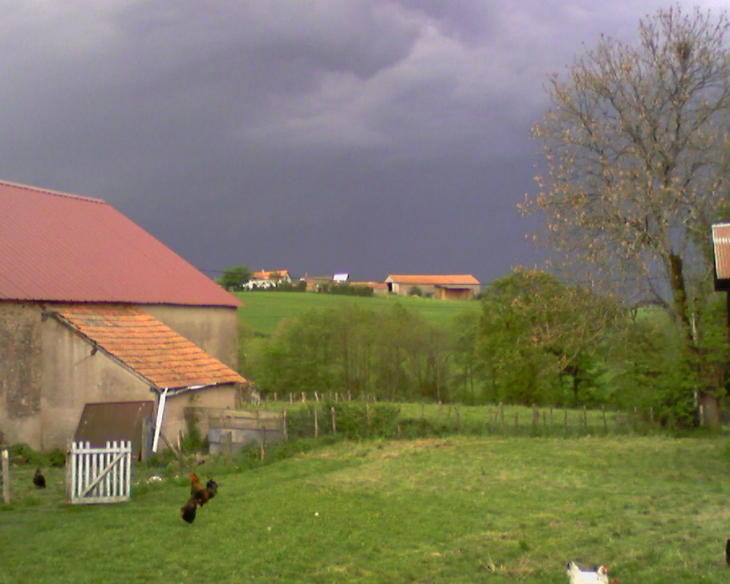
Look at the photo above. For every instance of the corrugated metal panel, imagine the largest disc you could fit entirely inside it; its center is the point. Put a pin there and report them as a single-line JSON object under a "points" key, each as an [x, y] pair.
{"points": [[721, 242], [59, 247], [146, 346]]}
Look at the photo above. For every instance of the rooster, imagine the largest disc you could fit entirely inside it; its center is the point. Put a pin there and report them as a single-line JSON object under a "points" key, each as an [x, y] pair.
{"points": [[187, 511], [39, 480], [578, 576], [200, 493]]}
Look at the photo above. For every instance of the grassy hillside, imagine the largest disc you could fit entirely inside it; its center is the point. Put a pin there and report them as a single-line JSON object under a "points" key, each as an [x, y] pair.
{"points": [[263, 310], [458, 510]]}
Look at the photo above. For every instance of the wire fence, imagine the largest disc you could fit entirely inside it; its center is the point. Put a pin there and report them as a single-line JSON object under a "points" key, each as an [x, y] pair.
{"points": [[313, 415]]}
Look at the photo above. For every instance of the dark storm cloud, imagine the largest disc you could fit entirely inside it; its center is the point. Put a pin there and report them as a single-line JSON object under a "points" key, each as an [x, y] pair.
{"points": [[366, 136]]}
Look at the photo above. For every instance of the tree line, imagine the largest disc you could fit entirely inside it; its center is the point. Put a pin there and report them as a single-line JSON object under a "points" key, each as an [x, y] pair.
{"points": [[535, 341]]}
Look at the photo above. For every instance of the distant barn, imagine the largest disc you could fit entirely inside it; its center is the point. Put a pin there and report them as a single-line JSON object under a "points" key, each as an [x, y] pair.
{"points": [[443, 287], [95, 310]]}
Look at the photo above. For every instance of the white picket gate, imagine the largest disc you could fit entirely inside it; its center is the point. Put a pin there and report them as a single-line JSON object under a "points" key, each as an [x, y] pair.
{"points": [[99, 475]]}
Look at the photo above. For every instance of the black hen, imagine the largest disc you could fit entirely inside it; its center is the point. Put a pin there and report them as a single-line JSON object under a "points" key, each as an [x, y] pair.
{"points": [[39, 480], [727, 552], [187, 511], [212, 487]]}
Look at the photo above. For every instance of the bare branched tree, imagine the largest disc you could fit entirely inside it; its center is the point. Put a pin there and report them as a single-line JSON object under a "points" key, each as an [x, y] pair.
{"points": [[638, 154]]}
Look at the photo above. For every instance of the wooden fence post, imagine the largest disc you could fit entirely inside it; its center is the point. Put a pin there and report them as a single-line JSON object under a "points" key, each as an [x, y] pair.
{"points": [[334, 421], [316, 422], [285, 425], [6, 475], [262, 433], [501, 415]]}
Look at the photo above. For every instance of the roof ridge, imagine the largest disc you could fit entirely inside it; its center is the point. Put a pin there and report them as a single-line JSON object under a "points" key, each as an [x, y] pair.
{"points": [[52, 192]]}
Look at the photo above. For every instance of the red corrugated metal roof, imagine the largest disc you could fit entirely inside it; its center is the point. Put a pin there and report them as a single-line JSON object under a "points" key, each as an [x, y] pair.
{"points": [[145, 345], [60, 247], [721, 241], [434, 280]]}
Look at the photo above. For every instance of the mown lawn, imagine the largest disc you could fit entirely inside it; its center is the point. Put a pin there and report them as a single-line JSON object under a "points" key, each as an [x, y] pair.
{"points": [[264, 310], [444, 510]]}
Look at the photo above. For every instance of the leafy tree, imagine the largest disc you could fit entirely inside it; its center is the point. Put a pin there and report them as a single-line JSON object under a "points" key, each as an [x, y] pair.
{"points": [[234, 277], [536, 332], [638, 154]]}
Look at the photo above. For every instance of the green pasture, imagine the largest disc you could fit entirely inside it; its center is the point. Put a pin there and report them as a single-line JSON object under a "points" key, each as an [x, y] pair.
{"points": [[452, 510], [264, 310]]}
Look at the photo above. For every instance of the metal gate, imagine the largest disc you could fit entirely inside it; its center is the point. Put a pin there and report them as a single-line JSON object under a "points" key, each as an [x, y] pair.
{"points": [[99, 475]]}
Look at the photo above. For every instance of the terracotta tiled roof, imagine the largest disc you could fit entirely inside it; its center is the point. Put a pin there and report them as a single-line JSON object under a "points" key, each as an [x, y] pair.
{"points": [[264, 275], [66, 248], [145, 345], [433, 280], [721, 241]]}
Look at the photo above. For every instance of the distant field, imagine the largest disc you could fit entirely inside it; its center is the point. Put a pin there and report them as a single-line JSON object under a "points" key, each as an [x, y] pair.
{"points": [[452, 510], [264, 310]]}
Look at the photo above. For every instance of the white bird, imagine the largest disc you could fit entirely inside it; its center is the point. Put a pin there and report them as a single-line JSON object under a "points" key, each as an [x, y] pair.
{"points": [[578, 576]]}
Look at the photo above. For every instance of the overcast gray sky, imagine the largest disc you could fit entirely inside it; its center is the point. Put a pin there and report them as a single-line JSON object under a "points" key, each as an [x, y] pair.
{"points": [[320, 136]]}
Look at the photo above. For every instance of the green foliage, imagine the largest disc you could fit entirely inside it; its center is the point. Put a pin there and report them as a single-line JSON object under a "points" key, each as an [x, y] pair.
{"points": [[193, 440], [538, 338], [57, 458], [234, 277], [346, 289], [353, 349], [23, 454], [415, 291]]}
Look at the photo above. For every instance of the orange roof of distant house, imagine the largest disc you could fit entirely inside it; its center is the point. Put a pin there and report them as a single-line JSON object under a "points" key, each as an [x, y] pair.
{"points": [[145, 345], [433, 280], [65, 248], [263, 275], [721, 241]]}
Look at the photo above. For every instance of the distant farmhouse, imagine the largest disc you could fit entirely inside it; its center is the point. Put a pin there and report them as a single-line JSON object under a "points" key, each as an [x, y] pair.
{"points": [[274, 276], [263, 280], [98, 317], [317, 283], [443, 287]]}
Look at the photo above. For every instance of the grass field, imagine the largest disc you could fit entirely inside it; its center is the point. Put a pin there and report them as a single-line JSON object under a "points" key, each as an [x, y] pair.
{"points": [[455, 510], [263, 310]]}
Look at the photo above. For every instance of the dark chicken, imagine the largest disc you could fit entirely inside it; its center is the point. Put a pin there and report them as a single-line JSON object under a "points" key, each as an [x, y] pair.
{"points": [[200, 493], [39, 480], [187, 511]]}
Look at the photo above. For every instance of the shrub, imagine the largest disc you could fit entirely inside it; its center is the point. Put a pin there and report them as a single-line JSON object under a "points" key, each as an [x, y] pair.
{"points": [[21, 453]]}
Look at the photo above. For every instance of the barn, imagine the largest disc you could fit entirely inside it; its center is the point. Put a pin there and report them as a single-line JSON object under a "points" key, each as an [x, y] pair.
{"points": [[443, 287], [95, 311]]}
